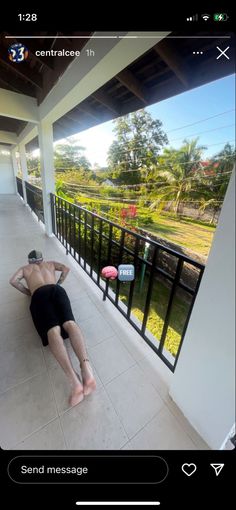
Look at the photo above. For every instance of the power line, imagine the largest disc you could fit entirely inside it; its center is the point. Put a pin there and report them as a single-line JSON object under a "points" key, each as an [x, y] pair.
{"points": [[202, 132], [96, 196], [187, 125], [186, 163], [109, 199], [83, 188], [157, 182], [143, 184], [137, 148], [128, 186], [161, 155], [200, 121], [146, 157]]}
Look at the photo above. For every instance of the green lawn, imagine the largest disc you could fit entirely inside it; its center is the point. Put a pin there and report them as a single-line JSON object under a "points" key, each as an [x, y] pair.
{"points": [[157, 312], [194, 235], [185, 232]]}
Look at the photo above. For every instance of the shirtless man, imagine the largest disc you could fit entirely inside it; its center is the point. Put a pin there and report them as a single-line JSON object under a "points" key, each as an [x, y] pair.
{"points": [[53, 318]]}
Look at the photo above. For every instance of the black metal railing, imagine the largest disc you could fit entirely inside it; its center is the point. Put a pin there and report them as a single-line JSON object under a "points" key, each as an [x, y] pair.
{"points": [[19, 186], [158, 303], [35, 200]]}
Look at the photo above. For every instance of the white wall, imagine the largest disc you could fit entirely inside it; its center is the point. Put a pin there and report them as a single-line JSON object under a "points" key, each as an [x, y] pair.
{"points": [[6, 172], [204, 382]]}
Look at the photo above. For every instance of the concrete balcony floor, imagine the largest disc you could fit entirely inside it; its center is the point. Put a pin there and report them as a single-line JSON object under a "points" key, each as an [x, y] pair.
{"points": [[131, 408]]}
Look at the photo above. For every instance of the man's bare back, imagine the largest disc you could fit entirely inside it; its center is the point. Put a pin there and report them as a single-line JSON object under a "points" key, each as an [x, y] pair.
{"points": [[38, 274]]}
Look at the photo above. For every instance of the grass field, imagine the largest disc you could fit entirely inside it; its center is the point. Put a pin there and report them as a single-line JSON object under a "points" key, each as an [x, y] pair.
{"points": [[185, 232], [192, 234], [157, 311]]}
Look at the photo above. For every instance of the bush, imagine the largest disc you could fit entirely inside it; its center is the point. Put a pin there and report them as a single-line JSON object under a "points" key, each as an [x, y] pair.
{"points": [[145, 220]]}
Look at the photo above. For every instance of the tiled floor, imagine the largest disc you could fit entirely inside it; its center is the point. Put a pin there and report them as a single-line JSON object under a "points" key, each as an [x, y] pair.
{"points": [[130, 409]]}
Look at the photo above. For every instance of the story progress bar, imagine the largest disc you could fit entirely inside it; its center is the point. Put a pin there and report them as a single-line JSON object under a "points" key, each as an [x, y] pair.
{"points": [[118, 503]]}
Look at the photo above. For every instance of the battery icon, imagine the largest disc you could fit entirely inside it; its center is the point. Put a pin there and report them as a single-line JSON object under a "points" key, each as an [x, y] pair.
{"points": [[220, 17]]}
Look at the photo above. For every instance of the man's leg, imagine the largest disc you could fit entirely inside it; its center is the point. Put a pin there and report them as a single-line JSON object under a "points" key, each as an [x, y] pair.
{"points": [[78, 344], [58, 349]]}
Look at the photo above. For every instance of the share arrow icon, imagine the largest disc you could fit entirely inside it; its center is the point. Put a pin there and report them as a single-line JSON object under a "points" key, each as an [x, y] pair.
{"points": [[217, 468]]}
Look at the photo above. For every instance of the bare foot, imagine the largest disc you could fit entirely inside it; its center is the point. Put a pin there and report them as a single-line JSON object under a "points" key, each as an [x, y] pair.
{"points": [[89, 382], [77, 395]]}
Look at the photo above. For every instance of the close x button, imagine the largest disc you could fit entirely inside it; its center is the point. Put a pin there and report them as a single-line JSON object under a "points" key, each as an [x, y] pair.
{"points": [[88, 469]]}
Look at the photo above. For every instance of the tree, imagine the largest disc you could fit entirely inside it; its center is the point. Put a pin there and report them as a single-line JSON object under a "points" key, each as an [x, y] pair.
{"points": [[226, 158], [139, 139], [70, 156], [219, 171], [60, 189], [33, 164], [180, 171]]}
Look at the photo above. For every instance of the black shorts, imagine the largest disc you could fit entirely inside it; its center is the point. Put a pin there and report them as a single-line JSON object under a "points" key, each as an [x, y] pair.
{"points": [[50, 306]]}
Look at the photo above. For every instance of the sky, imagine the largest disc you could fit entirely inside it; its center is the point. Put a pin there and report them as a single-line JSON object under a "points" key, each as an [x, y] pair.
{"points": [[192, 107]]}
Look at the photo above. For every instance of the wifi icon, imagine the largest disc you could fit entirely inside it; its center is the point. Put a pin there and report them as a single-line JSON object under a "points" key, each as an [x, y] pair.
{"points": [[206, 17]]}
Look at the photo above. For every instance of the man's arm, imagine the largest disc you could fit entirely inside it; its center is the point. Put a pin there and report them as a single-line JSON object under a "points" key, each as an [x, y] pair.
{"points": [[15, 281], [64, 271]]}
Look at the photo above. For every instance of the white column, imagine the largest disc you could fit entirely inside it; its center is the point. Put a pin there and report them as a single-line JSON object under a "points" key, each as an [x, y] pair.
{"points": [[45, 133], [15, 168], [203, 385], [24, 169]]}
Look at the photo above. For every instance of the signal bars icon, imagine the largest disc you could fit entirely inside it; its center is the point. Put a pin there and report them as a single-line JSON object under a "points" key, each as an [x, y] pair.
{"points": [[193, 18]]}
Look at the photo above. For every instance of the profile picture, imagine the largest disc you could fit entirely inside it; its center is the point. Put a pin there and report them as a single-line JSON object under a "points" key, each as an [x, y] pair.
{"points": [[17, 52]]}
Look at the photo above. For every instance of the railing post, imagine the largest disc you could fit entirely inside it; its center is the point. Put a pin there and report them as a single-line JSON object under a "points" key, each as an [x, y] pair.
{"points": [[143, 269], [53, 212], [24, 170]]}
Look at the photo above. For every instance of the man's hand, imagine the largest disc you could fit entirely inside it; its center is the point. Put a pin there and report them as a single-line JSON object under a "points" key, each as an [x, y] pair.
{"points": [[15, 281], [64, 271]]}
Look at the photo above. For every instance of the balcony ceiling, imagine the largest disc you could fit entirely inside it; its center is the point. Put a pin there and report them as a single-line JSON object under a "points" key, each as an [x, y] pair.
{"points": [[167, 69]]}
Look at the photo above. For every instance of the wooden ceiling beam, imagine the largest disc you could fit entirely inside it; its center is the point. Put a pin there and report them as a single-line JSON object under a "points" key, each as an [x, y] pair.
{"points": [[10, 86], [129, 80], [21, 70], [58, 133], [60, 64], [174, 61], [8, 124], [32, 145], [73, 116], [78, 44], [107, 101], [63, 130], [17, 85], [88, 111], [67, 124], [44, 61]]}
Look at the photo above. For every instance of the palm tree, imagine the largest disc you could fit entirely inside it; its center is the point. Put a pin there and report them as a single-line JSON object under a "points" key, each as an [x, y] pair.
{"points": [[60, 189], [225, 159], [214, 191], [179, 169]]}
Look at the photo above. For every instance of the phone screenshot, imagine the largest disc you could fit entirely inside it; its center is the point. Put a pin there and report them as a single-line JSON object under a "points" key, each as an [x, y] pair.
{"points": [[117, 273]]}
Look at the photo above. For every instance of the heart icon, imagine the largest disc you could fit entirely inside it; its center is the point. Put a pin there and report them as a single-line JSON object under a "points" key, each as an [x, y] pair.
{"points": [[189, 469]]}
